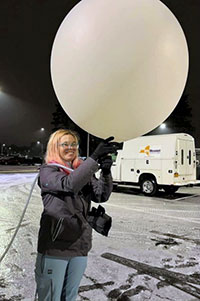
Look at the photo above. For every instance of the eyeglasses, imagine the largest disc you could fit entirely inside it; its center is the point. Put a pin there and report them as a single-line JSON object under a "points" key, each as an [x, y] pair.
{"points": [[69, 145]]}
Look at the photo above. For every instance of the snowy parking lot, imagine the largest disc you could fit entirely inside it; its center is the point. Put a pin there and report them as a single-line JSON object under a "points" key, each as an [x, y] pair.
{"points": [[152, 251]]}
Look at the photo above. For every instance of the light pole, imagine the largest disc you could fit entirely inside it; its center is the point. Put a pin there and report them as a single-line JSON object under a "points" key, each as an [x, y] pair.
{"points": [[2, 148], [42, 147], [42, 131], [88, 145]]}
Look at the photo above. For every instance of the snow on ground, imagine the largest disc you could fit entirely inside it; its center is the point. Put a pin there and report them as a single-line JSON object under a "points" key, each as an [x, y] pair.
{"points": [[138, 224]]}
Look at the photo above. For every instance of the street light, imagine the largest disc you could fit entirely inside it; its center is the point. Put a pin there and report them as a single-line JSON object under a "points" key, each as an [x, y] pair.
{"points": [[162, 126], [42, 129]]}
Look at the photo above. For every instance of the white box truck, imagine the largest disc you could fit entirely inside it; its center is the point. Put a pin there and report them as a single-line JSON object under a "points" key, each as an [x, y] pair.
{"points": [[157, 162]]}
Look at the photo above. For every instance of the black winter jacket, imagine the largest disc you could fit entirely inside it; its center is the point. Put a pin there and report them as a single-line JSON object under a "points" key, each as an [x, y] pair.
{"points": [[64, 230]]}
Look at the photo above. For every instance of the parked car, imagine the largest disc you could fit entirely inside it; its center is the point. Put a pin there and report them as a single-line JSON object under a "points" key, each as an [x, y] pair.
{"points": [[2, 161], [10, 161], [26, 160]]}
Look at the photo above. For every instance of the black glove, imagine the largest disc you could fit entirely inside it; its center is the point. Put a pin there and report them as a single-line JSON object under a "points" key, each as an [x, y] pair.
{"points": [[105, 164], [104, 148]]}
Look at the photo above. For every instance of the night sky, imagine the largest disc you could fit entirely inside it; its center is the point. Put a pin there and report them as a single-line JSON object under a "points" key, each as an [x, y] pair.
{"points": [[27, 31]]}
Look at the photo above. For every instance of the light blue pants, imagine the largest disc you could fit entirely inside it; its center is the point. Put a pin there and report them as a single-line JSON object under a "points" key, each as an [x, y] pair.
{"points": [[58, 278]]}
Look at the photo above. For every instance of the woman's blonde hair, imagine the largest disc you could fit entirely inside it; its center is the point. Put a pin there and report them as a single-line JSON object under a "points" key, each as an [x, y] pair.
{"points": [[52, 152]]}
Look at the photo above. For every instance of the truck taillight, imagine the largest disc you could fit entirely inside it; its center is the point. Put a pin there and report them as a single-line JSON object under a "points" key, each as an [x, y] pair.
{"points": [[176, 175]]}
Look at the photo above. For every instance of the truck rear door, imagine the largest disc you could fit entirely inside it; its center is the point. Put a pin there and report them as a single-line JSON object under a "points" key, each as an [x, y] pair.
{"points": [[184, 157], [190, 158]]}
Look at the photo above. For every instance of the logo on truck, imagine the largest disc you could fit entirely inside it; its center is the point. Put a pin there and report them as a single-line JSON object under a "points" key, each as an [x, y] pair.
{"points": [[153, 151]]}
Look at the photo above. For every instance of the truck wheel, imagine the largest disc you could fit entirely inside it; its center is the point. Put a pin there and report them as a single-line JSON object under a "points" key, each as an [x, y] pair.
{"points": [[149, 187], [170, 189]]}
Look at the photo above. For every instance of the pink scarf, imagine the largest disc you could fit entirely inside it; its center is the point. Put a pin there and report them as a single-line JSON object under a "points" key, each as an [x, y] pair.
{"points": [[75, 164]]}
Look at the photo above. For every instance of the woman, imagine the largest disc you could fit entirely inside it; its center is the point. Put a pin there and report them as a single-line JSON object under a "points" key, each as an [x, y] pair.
{"points": [[65, 236]]}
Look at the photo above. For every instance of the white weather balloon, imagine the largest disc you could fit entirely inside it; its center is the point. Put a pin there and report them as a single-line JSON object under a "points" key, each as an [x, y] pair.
{"points": [[119, 67]]}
